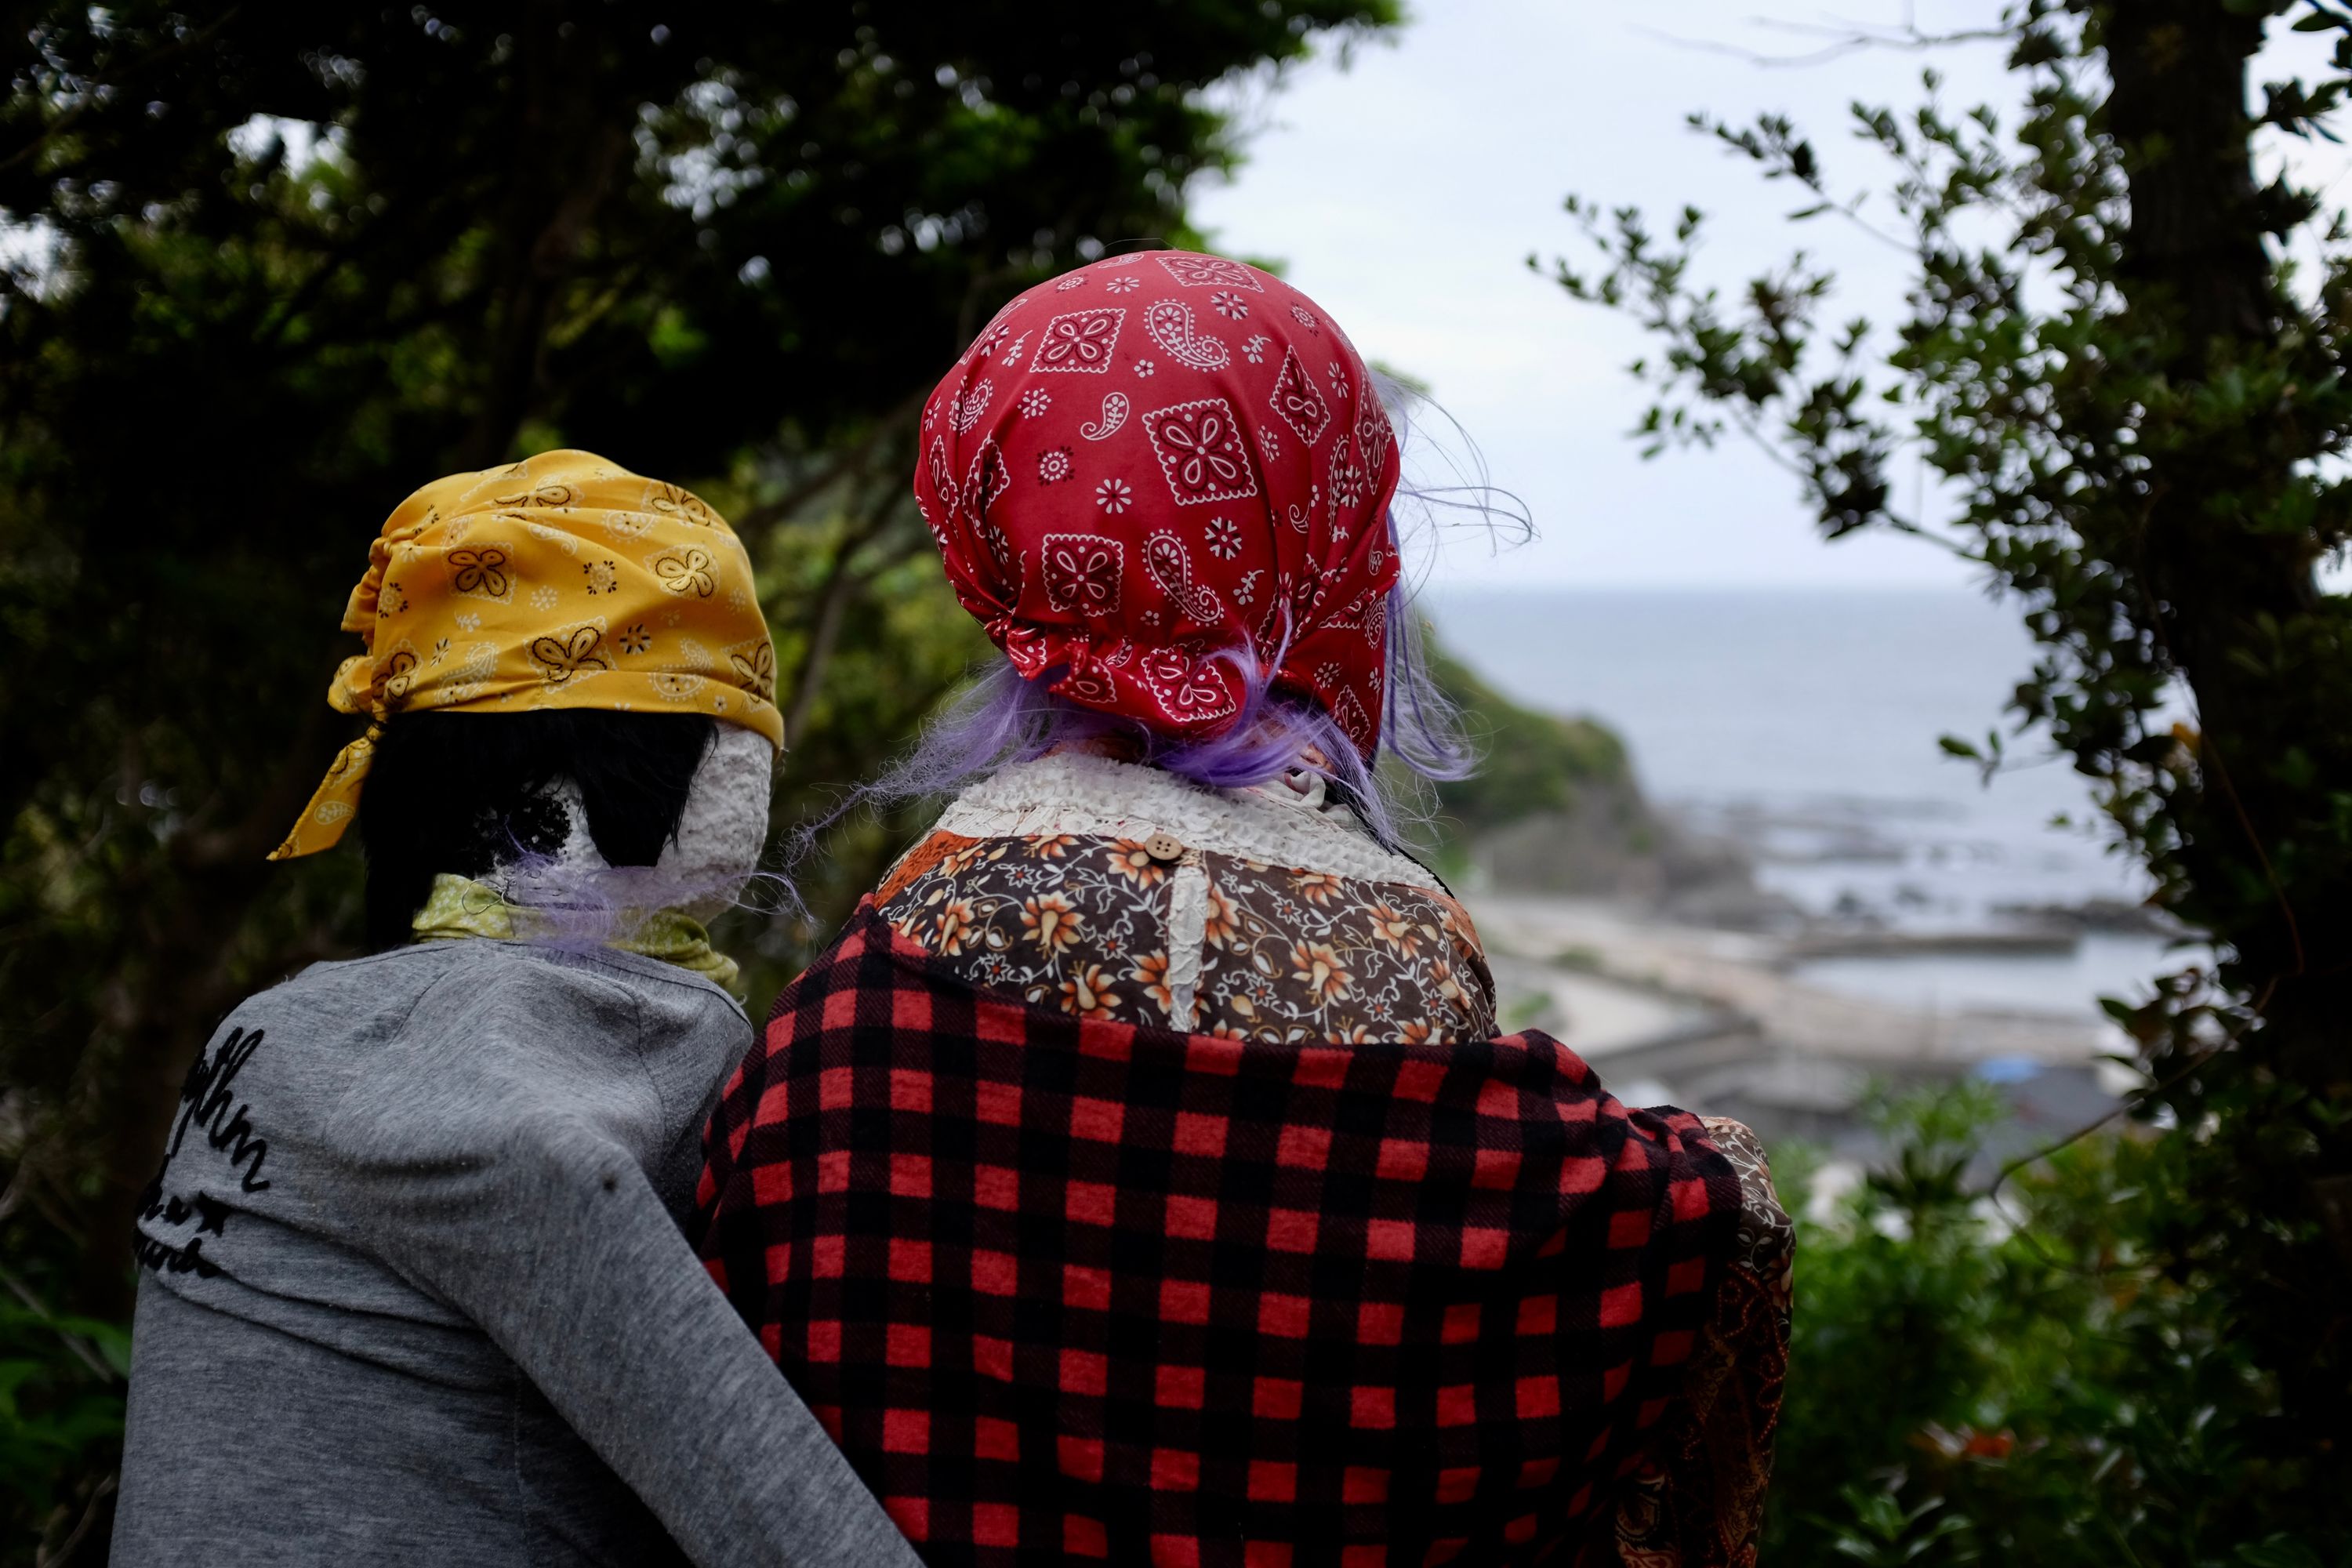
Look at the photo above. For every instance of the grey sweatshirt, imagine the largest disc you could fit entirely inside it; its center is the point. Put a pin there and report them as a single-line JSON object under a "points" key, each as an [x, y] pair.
{"points": [[415, 1290]]}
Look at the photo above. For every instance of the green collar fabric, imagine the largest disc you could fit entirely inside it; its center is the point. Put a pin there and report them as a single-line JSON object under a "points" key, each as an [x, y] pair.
{"points": [[461, 907]]}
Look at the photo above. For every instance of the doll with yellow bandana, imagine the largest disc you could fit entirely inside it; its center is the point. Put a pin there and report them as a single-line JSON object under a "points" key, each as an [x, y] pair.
{"points": [[414, 1288]]}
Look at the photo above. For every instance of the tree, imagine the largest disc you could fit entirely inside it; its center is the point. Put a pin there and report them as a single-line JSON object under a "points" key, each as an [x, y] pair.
{"points": [[2138, 407], [267, 266]]}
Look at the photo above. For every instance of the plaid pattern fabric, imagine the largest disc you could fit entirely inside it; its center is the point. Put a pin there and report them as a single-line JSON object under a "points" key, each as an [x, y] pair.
{"points": [[1072, 1291]]}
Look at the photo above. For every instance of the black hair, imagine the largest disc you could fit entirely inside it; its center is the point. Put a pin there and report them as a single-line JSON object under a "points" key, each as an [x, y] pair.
{"points": [[466, 792]]}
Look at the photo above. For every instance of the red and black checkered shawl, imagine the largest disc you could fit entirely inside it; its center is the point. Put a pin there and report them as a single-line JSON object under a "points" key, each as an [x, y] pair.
{"points": [[1066, 1290]]}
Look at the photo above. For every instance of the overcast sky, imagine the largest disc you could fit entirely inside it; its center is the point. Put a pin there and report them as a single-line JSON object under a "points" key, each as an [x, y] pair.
{"points": [[1406, 190]]}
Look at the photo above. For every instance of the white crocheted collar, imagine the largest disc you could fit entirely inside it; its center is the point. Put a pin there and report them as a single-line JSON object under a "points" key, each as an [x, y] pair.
{"points": [[1094, 797]]}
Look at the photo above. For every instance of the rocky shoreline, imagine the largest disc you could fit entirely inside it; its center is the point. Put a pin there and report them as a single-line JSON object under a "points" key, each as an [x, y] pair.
{"points": [[1782, 961]]}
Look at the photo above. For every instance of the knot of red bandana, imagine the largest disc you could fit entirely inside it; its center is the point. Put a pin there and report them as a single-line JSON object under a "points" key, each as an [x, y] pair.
{"points": [[1153, 473]]}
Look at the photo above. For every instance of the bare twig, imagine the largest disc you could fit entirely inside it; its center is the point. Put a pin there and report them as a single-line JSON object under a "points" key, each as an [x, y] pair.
{"points": [[850, 466], [1845, 39], [74, 1342], [841, 585], [2211, 755], [43, 1557], [2137, 1100], [1926, 535], [1746, 424], [840, 588]]}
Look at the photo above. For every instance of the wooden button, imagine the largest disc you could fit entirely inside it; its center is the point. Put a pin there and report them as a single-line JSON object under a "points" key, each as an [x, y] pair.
{"points": [[1163, 846]]}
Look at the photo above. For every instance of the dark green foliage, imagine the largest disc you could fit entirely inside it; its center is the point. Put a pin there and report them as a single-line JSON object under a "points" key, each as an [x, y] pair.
{"points": [[2024, 1383], [1530, 762], [266, 268], [2137, 415], [60, 1420]]}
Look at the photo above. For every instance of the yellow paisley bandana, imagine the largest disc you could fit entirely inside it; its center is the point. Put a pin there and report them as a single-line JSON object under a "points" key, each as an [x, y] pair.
{"points": [[562, 581], [461, 907]]}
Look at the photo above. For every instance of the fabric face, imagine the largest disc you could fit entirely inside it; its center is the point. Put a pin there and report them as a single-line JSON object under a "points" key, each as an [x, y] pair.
{"points": [[562, 581], [1157, 463], [1064, 1289], [715, 853]]}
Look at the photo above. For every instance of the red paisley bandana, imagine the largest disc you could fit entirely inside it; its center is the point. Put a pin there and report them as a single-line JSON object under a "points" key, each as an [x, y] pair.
{"points": [[1154, 463]]}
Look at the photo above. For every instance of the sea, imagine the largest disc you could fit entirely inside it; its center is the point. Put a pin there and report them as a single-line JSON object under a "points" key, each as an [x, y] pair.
{"points": [[1804, 725]]}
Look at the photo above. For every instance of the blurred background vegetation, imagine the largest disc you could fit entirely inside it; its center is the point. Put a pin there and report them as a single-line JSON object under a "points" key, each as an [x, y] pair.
{"points": [[2117, 383], [267, 266]]}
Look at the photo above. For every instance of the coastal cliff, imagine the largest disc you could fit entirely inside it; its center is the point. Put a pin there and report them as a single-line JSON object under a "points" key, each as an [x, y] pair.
{"points": [[1555, 808]]}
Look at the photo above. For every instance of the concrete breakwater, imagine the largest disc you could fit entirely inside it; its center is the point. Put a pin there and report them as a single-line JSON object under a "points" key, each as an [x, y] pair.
{"points": [[1728, 1022]]}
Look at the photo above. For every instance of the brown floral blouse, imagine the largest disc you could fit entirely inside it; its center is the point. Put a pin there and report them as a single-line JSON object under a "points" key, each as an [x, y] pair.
{"points": [[1115, 890], [1286, 953]]}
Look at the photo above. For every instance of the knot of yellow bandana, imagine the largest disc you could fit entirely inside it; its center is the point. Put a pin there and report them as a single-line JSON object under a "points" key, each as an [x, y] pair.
{"points": [[462, 906], [562, 581]]}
